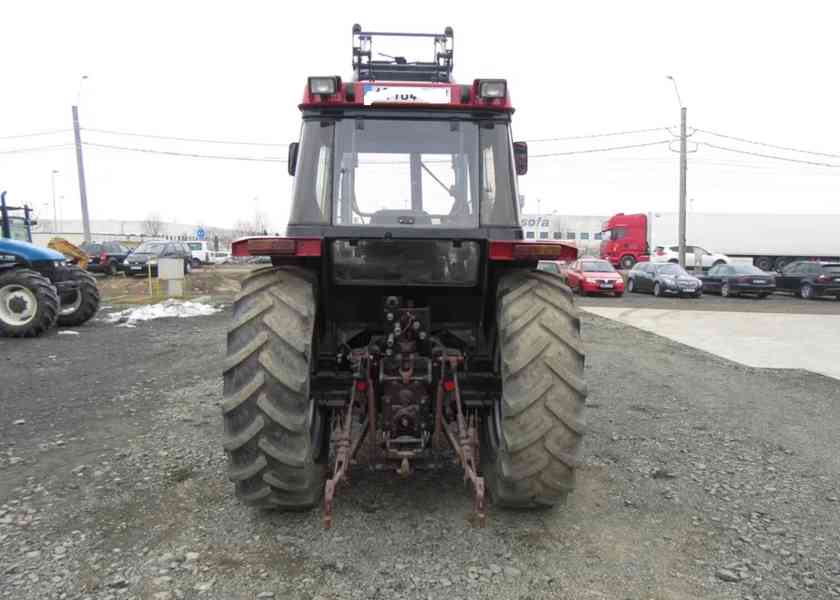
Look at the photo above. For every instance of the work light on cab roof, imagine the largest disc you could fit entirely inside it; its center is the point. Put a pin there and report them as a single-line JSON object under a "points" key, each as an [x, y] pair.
{"points": [[399, 81], [403, 303]]}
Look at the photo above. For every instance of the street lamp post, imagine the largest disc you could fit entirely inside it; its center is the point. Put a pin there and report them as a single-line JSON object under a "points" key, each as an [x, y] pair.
{"points": [[55, 209]]}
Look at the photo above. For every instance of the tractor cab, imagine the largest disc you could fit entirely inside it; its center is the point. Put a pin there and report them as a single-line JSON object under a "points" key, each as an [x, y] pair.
{"points": [[403, 147], [15, 221]]}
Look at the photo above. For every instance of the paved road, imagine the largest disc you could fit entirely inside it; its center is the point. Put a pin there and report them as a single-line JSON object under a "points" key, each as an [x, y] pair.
{"points": [[701, 478], [777, 303], [780, 332]]}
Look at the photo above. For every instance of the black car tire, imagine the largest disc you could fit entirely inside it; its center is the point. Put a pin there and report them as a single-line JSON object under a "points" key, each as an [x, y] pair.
{"points": [[674, 261], [763, 296], [195, 263], [699, 294], [618, 294], [765, 263], [32, 287], [627, 262], [631, 285], [86, 302], [806, 291], [112, 270], [657, 289], [719, 262]]}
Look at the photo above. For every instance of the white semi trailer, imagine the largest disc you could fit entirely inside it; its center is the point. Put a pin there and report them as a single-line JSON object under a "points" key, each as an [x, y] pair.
{"points": [[769, 240]]}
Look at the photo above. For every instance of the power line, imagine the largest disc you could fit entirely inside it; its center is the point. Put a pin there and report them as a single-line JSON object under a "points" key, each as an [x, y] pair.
{"points": [[186, 154], [590, 150], [33, 134], [774, 157], [597, 135], [182, 139], [766, 145], [35, 149]]}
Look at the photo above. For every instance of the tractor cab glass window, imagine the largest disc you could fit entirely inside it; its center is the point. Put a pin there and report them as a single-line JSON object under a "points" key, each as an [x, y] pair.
{"points": [[313, 180], [405, 173], [618, 233], [18, 230], [498, 185]]}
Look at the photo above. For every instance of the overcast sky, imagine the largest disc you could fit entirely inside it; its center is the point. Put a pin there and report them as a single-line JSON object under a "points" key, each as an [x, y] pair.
{"points": [[764, 71]]}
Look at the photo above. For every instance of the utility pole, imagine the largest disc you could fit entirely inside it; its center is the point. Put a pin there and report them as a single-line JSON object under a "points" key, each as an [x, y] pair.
{"points": [[81, 167], [683, 173], [55, 210]]}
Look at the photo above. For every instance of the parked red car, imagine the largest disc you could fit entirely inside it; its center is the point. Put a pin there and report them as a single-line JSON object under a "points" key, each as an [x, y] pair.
{"points": [[594, 276]]}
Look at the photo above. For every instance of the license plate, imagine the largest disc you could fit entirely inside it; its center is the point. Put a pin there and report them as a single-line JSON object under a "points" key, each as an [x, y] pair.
{"points": [[607, 284], [136, 268], [759, 281], [406, 94]]}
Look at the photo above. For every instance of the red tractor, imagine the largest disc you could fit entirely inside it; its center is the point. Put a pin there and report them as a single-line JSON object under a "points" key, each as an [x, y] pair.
{"points": [[403, 309]]}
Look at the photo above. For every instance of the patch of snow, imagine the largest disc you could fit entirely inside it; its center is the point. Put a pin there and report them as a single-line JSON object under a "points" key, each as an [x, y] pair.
{"points": [[171, 308]]}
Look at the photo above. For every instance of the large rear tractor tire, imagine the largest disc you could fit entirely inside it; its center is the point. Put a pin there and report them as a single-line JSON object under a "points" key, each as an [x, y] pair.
{"points": [[273, 431], [28, 303], [80, 306], [531, 441]]}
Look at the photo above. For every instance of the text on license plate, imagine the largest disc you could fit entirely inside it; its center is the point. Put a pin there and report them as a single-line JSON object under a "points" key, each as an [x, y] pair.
{"points": [[136, 267]]}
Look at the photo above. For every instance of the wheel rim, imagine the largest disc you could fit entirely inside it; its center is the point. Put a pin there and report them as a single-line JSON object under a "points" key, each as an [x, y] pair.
{"points": [[631, 285], [18, 305], [806, 291], [656, 290], [69, 309], [724, 291]]}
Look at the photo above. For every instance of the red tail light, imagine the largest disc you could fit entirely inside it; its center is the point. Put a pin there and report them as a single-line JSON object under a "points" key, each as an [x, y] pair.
{"points": [[823, 278], [660, 252], [530, 250], [271, 246]]}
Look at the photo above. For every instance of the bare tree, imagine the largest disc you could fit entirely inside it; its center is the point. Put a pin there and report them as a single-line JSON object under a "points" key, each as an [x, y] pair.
{"points": [[153, 225], [258, 225]]}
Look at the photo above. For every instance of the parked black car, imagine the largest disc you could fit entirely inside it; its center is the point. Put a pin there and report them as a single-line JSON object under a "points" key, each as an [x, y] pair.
{"points": [[810, 279], [662, 279], [737, 279], [105, 257], [147, 254]]}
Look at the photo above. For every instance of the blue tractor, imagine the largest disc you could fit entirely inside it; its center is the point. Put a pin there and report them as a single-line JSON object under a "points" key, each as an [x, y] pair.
{"points": [[38, 289]]}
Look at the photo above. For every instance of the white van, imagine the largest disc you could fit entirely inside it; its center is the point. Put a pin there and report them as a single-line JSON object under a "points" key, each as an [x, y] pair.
{"points": [[200, 252], [219, 258]]}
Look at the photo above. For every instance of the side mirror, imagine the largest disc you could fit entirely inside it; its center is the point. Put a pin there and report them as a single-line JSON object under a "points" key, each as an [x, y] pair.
{"points": [[293, 153], [520, 157]]}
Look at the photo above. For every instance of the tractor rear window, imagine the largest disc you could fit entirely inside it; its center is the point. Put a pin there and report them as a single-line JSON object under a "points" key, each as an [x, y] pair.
{"points": [[405, 262], [406, 173]]}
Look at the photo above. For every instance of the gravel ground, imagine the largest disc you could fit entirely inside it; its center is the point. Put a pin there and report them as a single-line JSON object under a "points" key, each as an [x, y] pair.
{"points": [[701, 479]]}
